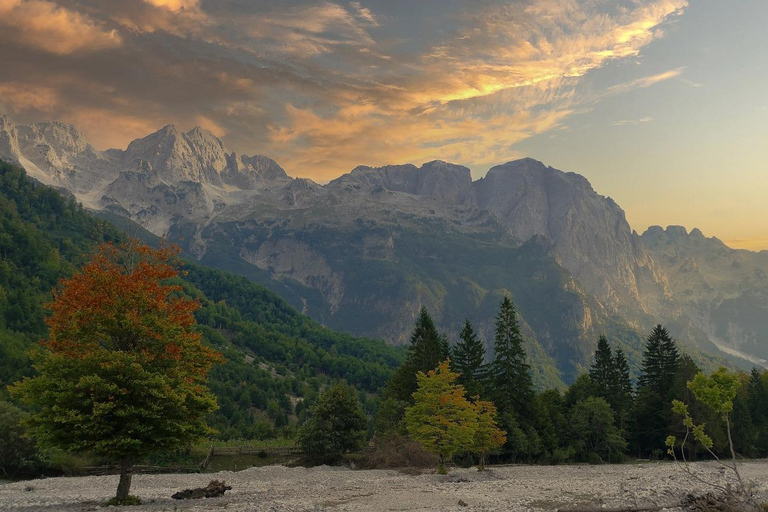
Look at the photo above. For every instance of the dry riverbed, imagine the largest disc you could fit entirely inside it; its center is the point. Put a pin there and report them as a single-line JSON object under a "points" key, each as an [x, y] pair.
{"points": [[292, 489]]}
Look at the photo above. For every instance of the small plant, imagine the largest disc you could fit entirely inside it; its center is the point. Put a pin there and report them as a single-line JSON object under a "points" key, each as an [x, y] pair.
{"points": [[717, 393], [128, 501]]}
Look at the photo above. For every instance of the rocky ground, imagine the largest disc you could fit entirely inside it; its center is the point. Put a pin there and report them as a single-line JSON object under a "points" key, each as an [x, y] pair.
{"points": [[293, 489]]}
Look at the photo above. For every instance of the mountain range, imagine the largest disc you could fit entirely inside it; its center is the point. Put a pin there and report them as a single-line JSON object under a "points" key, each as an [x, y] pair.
{"points": [[363, 252]]}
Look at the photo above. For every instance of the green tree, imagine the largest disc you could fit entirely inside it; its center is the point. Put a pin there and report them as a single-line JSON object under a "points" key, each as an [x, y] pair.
{"points": [[603, 370], [441, 419], [426, 350], [18, 454], [594, 432], [336, 425], [468, 358], [509, 373], [656, 389], [661, 360], [123, 371], [757, 397]]}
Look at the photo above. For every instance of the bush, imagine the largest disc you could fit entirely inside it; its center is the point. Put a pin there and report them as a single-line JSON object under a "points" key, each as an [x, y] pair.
{"points": [[397, 452], [561, 455], [19, 454]]}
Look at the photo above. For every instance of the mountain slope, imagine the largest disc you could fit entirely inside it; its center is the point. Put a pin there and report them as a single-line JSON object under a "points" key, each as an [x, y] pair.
{"points": [[724, 290], [363, 252], [276, 357]]}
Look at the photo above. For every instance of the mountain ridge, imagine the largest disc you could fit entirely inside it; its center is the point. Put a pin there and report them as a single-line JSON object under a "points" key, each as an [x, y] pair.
{"points": [[324, 242]]}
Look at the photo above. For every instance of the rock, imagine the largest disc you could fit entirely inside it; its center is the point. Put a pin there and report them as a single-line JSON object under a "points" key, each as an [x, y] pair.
{"points": [[9, 140], [213, 490]]}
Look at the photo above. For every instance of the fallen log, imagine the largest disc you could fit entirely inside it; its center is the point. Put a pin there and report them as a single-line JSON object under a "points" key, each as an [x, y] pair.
{"points": [[212, 490]]}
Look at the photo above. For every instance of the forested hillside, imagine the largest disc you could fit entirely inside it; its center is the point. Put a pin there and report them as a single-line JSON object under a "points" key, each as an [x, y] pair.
{"points": [[276, 358]]}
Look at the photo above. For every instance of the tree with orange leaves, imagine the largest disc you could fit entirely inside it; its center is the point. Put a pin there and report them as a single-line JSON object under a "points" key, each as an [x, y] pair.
{"points": [[123, 371]]}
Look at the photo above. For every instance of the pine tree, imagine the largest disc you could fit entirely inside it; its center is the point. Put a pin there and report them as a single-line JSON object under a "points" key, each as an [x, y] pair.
{"points": [[661, 360], [621, 392], [756, 397], [510, 374], [468, 357], [656, 389], [426, 350], [623, 381], [603, 372]]}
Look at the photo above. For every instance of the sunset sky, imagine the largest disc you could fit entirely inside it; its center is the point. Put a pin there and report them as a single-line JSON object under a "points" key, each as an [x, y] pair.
{"points": [[661, 104]]}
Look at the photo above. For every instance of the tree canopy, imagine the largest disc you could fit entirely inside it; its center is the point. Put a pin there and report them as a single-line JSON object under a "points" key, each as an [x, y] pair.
{"points": [[123, 371]]}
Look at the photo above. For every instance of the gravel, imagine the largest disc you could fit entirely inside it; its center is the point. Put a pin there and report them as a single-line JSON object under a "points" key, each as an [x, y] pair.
{"points": [[279, 488]]}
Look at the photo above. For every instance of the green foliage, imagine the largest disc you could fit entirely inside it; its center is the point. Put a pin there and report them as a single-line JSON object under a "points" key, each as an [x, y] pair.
{"points": [[594, 432], [274, 354], [441, 419], [128, 501], [19, 455], [509, 372], [661, 361], [656, 389], [468, 358], [603, 371], [716, 391], [426, 350], [336, 426]]}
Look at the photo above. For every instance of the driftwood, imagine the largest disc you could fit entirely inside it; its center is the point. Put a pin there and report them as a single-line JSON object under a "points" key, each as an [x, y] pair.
{"points": [[212, 490]]}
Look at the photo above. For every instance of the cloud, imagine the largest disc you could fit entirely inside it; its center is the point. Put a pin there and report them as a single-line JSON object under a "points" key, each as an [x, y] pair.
{"points": [[632, 122], [644, 82], [46, 26], [175, 5], [324, 86]]}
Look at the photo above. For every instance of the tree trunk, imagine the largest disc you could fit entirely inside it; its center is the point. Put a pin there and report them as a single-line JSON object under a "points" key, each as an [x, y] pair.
{"points": [[481, 466], [126, 474]]}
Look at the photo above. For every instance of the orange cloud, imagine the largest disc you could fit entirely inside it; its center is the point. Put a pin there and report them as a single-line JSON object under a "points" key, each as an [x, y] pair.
{"points": [[175, 5], [54, 29], [510, 74]]}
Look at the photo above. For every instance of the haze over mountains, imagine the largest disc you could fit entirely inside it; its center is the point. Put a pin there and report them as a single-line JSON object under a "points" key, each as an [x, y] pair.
{"points": [[363, 252]]}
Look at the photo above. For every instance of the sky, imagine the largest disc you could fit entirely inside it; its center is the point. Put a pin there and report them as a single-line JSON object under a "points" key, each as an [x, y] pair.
{"points": [[661, 104]]}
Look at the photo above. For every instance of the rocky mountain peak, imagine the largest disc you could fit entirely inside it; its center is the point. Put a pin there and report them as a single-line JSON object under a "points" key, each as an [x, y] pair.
{"points": [[65, 139], [9, 140], [591, 233], [176, 157], [676, 240], [445, 181]]}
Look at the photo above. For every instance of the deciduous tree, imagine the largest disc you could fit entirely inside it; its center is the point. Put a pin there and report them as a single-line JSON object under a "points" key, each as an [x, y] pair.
{"points": [[336, 425], [123, 371], [441, 419], [488, 436]]}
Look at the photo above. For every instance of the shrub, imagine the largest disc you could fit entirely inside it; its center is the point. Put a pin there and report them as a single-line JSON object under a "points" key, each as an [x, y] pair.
{"points": [[397, 452]]}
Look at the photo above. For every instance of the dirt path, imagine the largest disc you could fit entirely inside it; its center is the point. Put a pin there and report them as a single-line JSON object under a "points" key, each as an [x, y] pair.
{"points": [[292, 489]]}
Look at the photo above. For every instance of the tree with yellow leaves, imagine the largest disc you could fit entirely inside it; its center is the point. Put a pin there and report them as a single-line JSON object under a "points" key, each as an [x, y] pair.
{"points": [[487, 436], [441, 419]]}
